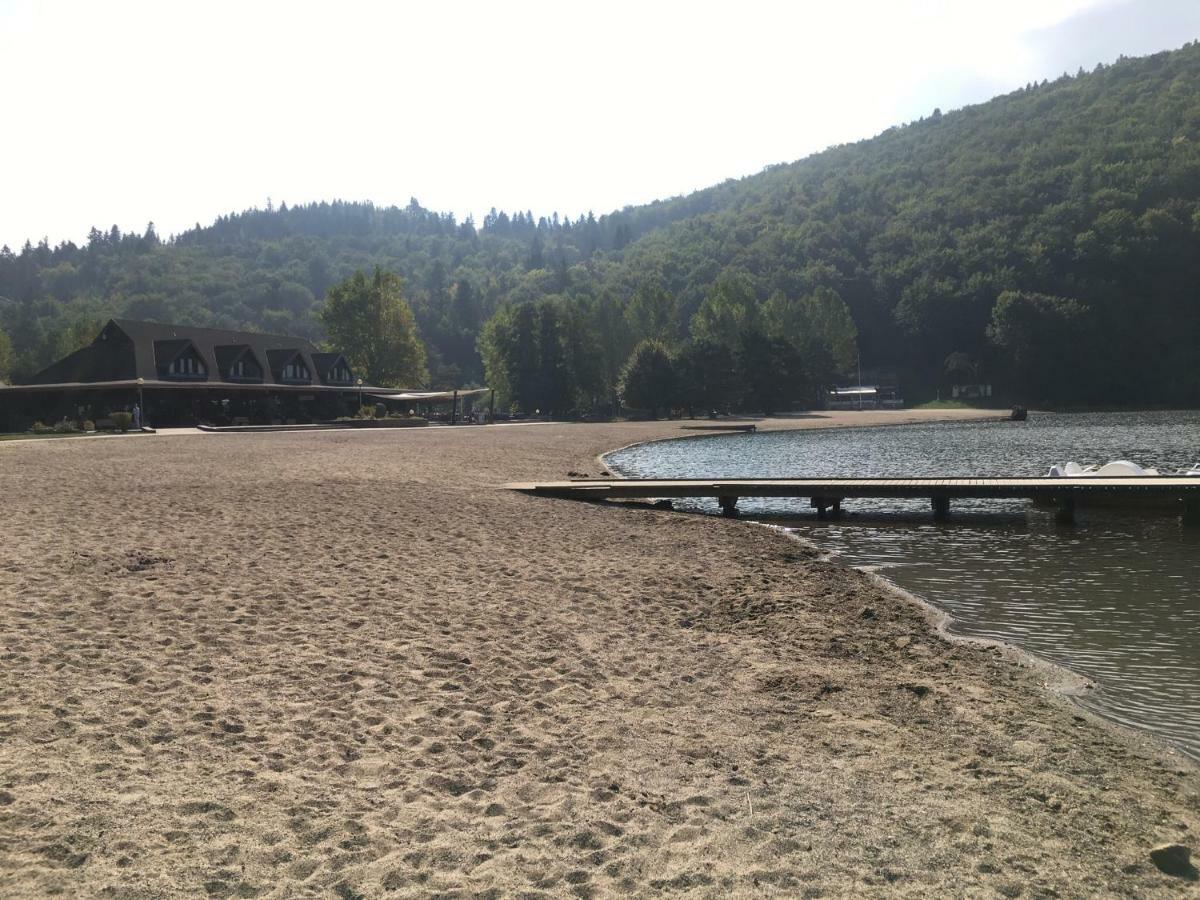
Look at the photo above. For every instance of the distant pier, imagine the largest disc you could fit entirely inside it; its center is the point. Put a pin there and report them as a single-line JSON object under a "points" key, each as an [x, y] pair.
{"points": [[826, 495]]}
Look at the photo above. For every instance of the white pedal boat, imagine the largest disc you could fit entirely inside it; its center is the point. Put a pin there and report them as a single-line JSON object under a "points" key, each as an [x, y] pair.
{"points": [[1118, 468]]}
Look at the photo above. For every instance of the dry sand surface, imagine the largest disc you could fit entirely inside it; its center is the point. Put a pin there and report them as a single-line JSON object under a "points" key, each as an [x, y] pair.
{"points": [[345, 665]]}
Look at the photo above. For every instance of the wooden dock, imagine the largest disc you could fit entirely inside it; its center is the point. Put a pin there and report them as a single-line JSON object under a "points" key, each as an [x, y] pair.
{"points": [[826, 494]]}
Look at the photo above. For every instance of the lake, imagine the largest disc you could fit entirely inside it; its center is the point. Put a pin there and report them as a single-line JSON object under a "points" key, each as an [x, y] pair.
{"points": [[1116, 597]]}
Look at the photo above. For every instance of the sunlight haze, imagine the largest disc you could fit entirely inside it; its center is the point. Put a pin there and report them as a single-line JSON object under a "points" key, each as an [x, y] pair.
{"points": [[129, 112]]}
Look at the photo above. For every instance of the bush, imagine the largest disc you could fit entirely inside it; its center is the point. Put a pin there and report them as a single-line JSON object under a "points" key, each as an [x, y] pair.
{"points": [[366, 412], [40, 428], [122, 420], [89, 426], [66, 426]]}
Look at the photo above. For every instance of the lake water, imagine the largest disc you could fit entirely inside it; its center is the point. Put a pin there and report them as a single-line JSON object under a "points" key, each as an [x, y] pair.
{"points": [[1115, 598]]}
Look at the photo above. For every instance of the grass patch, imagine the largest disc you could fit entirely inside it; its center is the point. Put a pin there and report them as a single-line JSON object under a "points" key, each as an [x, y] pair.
{"points": [[30, 436]]}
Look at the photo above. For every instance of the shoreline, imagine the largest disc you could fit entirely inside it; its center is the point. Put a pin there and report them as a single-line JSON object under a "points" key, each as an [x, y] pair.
{"points": [[1061, 680], [785, 423], [347, 662]]}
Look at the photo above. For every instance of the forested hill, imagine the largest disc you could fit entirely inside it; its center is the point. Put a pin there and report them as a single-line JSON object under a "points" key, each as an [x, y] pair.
{"points": [[1047, 240]]}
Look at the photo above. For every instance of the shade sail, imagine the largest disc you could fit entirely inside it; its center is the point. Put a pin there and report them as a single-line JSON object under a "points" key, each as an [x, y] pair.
{"points": [[425, 396]]}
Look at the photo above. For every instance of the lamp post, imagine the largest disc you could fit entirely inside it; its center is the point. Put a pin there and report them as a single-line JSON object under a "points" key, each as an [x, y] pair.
{"points": [[859, 364], [360, 395], [141, 402]]}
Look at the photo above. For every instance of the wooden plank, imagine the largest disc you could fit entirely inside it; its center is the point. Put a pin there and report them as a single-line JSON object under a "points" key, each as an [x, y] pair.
{"points": [[1165, 486]]}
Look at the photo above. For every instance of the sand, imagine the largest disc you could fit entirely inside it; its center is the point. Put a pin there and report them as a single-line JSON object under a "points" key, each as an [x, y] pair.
{"points": [[346, 664]]}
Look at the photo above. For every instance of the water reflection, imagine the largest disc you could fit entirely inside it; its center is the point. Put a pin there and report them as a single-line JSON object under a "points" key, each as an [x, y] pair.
{"points": [[1116, 598]]}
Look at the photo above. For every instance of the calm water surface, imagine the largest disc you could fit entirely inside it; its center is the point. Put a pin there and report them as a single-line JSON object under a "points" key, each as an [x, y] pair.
{"points": [[1115, 598]]}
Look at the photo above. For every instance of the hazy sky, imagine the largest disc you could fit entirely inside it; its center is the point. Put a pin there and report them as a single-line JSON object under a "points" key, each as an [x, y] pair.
{"points": [[125, 112]]}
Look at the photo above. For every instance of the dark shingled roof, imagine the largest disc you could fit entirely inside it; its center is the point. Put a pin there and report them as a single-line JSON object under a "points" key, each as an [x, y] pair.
{"points": [[96, 362], [127, 349]]}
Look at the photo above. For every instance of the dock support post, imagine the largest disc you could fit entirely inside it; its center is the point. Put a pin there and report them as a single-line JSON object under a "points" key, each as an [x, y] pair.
{"points": [[941, 508], [823, 504], [1065, 515], [728, 506], [1191, 513]]}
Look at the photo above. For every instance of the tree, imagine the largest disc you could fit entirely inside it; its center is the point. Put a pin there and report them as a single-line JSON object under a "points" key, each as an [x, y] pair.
{"points": [[774, 372], [729, 310], [369, 321], [1045, 341], [614, 342], [542, 356], [653, 314], [648, 381], [6, 357], [820, 318], [708, 377], [75, 334]]}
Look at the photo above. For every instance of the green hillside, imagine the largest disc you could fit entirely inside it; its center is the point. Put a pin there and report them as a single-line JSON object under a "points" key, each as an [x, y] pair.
{"points": [[1047, 241]]}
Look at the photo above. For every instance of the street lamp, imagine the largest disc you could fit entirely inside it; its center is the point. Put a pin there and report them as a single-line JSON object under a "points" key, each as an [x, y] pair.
{"points": [[141, 403], [360, 394]]}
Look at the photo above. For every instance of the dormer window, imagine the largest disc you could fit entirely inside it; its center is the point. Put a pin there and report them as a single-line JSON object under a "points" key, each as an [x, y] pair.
{"points": [[295, 371], [179, 359], [186, 366], [288, 366], [237, 362], [332, 368]]}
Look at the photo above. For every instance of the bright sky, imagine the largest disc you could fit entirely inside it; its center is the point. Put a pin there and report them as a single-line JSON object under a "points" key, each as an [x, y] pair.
{"points": [[126, 111]]}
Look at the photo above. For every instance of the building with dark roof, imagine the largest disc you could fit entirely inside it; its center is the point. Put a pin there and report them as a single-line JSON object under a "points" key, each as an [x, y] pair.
{"points": [[186, 375]]}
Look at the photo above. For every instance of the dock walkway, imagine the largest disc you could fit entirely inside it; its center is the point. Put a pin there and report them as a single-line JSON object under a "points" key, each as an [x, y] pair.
{"points": [[826, 494]]}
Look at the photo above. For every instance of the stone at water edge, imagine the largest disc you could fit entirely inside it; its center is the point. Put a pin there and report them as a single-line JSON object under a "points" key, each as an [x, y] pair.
{"points": [[1175, 859]]}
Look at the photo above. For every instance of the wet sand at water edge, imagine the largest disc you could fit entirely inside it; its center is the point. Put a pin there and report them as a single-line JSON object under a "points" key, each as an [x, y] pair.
{"points": [[345, 664]]}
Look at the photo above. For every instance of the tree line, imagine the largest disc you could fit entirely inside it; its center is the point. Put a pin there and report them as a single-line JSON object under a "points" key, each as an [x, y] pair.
{"points": [[1047, 241]]}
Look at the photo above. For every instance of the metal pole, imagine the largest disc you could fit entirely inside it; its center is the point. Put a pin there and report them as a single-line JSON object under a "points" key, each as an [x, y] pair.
{"points": [[454, 409], [492, 407], [858, 361]]}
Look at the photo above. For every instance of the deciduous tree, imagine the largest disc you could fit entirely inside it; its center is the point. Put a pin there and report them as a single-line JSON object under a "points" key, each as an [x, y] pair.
{"points": [[369, 321]]}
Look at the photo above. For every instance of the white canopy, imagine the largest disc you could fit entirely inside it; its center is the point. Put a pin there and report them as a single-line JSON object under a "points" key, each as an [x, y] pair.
{"points": [[427, 396]]}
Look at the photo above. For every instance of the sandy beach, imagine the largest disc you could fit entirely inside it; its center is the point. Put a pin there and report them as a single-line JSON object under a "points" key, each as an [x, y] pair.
{"points": [[345, 664]]}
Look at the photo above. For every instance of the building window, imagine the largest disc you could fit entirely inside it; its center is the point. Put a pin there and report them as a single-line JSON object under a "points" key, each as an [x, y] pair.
{"points": [[187, 365], [340, 374], [294, 371]]}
